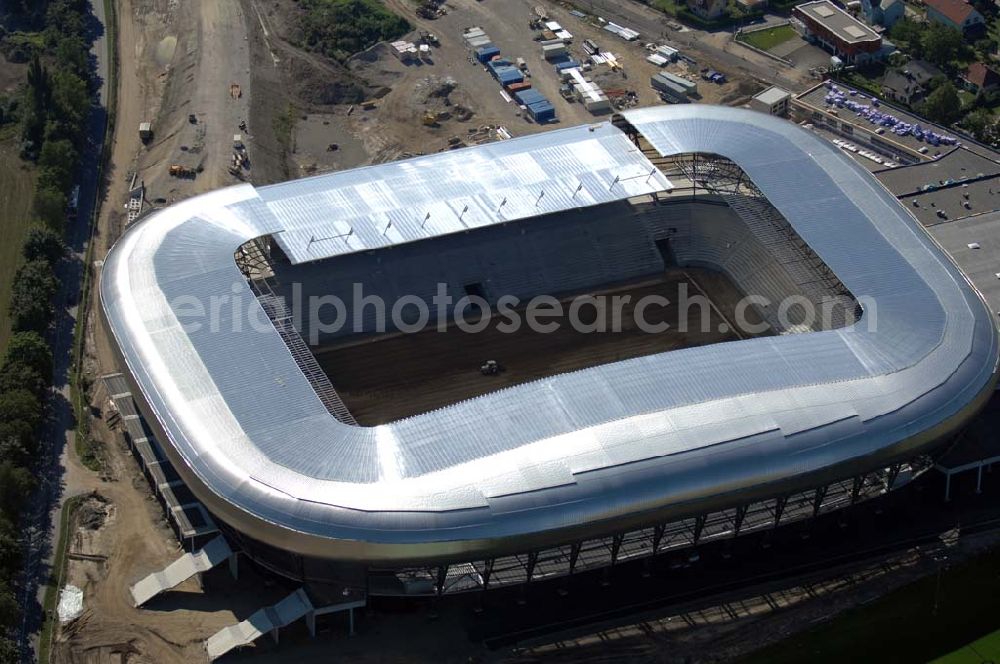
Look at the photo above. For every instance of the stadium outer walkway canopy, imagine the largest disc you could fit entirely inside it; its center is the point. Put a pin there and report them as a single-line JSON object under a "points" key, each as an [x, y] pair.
{"points": [[570, 456]]}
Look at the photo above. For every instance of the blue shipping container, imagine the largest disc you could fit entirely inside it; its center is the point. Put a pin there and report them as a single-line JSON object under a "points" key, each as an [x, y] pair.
{"points": [[567, 64], [542, 112], [484, 53], [508, 75], [529, 96]]}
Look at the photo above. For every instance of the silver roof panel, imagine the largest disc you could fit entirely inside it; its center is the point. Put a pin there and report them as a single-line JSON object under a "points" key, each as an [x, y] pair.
{"points": [[254, 441]]}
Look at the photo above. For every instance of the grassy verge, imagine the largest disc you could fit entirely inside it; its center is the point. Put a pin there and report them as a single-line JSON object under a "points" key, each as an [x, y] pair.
{"points": [[767, 39], [284, 128], [17, 184], [868, 80], [986, 649], [916, 623], [669, 7], [56, 578]]}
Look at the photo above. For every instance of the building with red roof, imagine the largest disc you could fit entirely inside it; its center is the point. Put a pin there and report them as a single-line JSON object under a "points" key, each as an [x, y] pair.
{"points": [[956, 14]]}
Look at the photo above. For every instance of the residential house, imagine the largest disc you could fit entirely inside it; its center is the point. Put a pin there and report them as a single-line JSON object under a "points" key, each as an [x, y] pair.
{"points": [[909, 84], [707, 9], [883, 12], [979, 78], [956, 14]]}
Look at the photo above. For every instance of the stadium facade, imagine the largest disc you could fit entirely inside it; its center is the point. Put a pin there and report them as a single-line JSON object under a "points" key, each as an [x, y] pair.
{"points": [[577, 469]]}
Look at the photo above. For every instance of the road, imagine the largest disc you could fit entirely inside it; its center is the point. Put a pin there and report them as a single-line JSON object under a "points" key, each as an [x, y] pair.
{"points": [[55, 471], [712, 47]]}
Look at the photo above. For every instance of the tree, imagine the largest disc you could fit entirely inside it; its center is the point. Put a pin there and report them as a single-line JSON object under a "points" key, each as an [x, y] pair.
{"points": [[942, 105], [9, 653], [980, 124], [37, 100], [59, 159], [984, 47], [17, 441], [71, 53], [31, 297], [10, 549], [9, 609], [908, 33], [942, 44], [29, 348], [20, 406], [16, 485], [43, 244], [50, 205], [72, 100]]}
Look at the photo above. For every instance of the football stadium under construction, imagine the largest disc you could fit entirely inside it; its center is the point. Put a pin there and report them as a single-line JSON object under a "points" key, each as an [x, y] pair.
{"points": [[392, 463]]}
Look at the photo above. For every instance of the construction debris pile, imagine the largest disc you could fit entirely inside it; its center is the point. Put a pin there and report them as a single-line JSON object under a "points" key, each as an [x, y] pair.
{"points": [[440, 100]]}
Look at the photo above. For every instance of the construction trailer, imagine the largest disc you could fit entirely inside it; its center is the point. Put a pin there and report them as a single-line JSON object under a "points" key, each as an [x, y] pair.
{"points": [[690, 87], [485, 53], [145, 131], [669, 90], [542, 111], [538, 107], [476, 42], [554, 51], [507, 75]]}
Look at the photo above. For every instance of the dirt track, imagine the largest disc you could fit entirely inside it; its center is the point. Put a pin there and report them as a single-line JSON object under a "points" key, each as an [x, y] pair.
{"points": [[160, 82]]}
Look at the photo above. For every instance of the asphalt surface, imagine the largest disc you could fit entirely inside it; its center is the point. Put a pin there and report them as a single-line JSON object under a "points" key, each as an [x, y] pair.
{"points": [[44, 509]]}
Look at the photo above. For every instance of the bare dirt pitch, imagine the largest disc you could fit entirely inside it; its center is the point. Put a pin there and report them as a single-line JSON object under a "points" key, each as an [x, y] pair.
{"points": [[399, 375]]}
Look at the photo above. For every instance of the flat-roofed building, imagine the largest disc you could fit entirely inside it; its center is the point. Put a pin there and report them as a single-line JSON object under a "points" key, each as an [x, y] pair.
{"points": [[838, 32], [773, 101]]}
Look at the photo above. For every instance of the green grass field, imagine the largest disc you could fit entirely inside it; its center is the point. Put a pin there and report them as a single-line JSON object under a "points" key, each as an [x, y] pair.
{"points": [[986, 649], [767, 39], [904, 626], [17, 184]]}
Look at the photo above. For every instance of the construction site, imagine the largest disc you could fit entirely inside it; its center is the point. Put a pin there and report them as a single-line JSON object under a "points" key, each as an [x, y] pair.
{"points": [[223, 93]]}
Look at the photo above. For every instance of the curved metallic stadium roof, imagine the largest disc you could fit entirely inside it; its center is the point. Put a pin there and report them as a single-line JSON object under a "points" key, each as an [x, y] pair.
{"points": [[580, 453]]}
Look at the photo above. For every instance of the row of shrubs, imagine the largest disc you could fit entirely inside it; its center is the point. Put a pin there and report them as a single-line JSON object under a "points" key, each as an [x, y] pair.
{"points": [[25, 382], [52, 109]]}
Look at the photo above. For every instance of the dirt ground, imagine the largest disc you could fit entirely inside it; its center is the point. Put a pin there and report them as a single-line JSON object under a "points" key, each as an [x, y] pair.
{"points": [[400, 375], [396, 117]]}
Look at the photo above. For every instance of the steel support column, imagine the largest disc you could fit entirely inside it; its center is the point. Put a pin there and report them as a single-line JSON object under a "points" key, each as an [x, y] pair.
{"points": [[893, 474], [741, 513], [779, 508], [574, 555], [856, 487], [699, 525], [487, 572], [532, 561], [616, 546], [818, 499], [658, 537], [442, 574]]}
